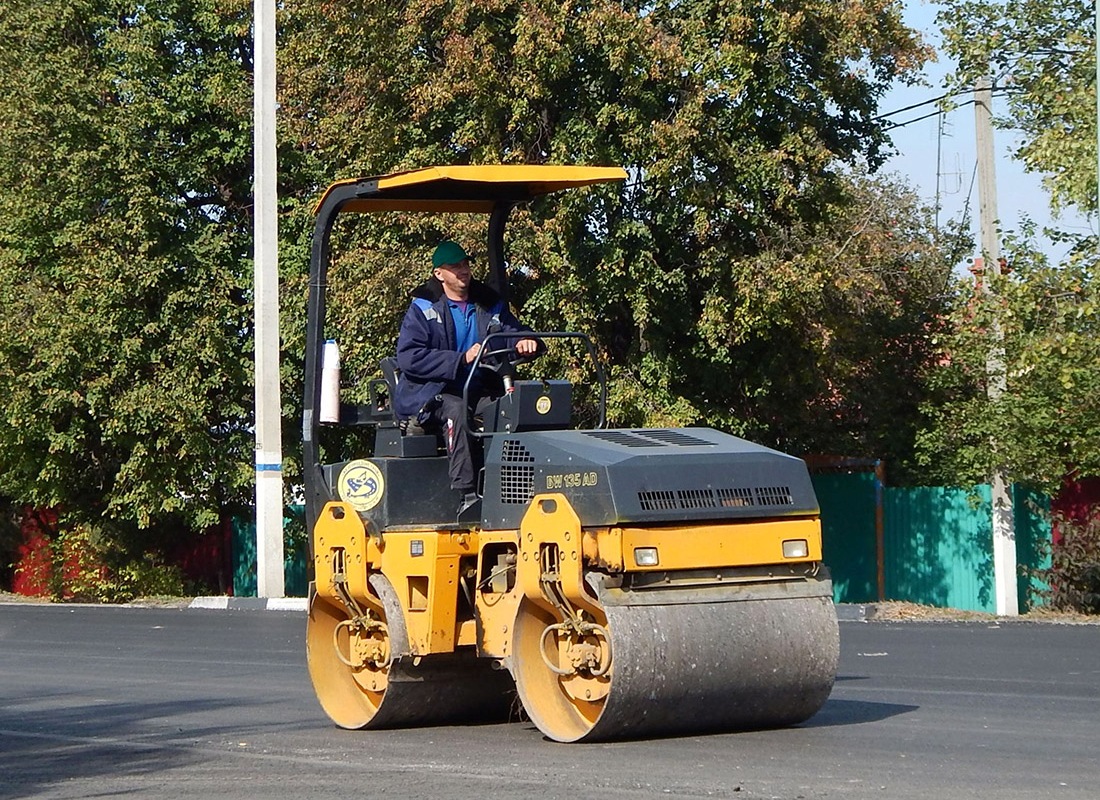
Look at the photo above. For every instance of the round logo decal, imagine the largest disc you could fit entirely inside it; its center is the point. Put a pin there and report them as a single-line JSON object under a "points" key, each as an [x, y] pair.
{"points": [[542, 405], [361, 484]]}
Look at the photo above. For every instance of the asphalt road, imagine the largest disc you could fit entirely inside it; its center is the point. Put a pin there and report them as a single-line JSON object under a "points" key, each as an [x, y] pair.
{"points": [[180, 703]]}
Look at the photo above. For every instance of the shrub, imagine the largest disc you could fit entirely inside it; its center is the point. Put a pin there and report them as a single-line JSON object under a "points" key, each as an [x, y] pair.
{"points": [[79, 572], [87, 564], [1073, 578], [149, 578]]}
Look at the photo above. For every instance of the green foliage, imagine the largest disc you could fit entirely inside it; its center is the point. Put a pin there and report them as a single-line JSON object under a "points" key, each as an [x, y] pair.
{"points": [[90, 564], [1045, 424], [78, 572], [124, 230], [149, 578], [1043, 53]]}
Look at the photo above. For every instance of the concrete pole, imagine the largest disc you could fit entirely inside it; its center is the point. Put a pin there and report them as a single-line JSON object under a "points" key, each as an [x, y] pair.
{"points": [[269, 443], [1004, 520]]}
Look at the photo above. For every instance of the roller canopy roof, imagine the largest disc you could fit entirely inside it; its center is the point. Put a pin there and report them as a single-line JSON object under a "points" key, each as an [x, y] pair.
{"points": [[471, 189]]}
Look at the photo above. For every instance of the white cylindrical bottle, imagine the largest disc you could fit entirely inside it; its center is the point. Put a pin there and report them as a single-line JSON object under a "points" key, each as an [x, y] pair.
{"points": [[330, 382]]}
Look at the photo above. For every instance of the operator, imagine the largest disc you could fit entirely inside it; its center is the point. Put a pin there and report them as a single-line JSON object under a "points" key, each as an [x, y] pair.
{"points": [[441, 334]]}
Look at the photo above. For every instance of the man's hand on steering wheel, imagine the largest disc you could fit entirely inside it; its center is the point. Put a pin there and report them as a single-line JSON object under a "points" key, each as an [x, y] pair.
{"points": [[503, 359], [526, 347]]}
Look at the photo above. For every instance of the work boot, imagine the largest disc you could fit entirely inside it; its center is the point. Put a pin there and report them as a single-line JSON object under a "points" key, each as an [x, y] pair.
{"points": [[469, 510]]}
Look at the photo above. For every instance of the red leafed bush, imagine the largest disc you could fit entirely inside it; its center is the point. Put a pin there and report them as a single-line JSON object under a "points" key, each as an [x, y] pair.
{"points": [[1073, 578], [34, 553]]}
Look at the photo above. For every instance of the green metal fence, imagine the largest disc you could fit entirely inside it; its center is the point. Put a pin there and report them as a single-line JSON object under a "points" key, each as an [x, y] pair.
{"points": [[848, 533], [1033, 534], [937, 542], [295, 555]]}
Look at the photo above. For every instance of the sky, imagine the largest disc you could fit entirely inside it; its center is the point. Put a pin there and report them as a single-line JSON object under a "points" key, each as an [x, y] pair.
{"points": [[1018, 192]]}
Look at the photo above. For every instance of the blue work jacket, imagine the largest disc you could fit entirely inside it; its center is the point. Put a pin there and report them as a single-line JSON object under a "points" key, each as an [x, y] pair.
{"points": [[427, 352]]}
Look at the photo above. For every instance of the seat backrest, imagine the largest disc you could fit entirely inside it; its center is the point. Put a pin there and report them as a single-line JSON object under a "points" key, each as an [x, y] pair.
{"points": [[391, 373]]}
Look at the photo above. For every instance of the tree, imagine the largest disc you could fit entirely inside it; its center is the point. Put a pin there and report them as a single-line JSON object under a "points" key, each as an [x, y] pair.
{"points": [[1045, 426], [1043, 54], [125, 157], [710, 281], [850, 373]]}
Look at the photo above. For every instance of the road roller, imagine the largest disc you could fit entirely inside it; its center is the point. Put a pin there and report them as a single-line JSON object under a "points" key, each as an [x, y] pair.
{"points": [[613, 583]]}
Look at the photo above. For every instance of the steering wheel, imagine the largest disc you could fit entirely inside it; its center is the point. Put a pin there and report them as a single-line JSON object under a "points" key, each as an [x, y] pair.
{"points": [[501, 360]]}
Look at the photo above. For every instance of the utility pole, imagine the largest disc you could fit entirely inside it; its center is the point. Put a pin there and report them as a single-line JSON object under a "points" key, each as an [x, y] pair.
{"points": [[269, 442], [1004, 521], [939, 166]]}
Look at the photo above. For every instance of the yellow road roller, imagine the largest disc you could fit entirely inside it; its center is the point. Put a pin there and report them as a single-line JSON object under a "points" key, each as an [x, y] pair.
{"points": [[616, 582]]}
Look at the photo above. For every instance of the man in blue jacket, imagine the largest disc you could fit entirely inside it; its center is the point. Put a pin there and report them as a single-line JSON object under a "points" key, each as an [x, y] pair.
{"points": [[441, 335]]}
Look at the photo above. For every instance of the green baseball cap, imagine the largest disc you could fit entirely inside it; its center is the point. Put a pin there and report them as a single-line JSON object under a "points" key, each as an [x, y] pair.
{"points": [[448, 253]]}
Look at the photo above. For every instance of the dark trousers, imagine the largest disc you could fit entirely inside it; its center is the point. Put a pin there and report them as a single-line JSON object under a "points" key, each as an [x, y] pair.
{"points": [[453, 418]]}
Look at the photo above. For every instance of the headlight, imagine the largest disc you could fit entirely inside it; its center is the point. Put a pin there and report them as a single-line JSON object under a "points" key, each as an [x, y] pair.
{"points": [[795, 548]]}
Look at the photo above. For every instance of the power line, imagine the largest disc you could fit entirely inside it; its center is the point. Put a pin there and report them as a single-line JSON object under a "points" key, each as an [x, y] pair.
{"points": [[918, 105], [935, 113], [1002, 90]]}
